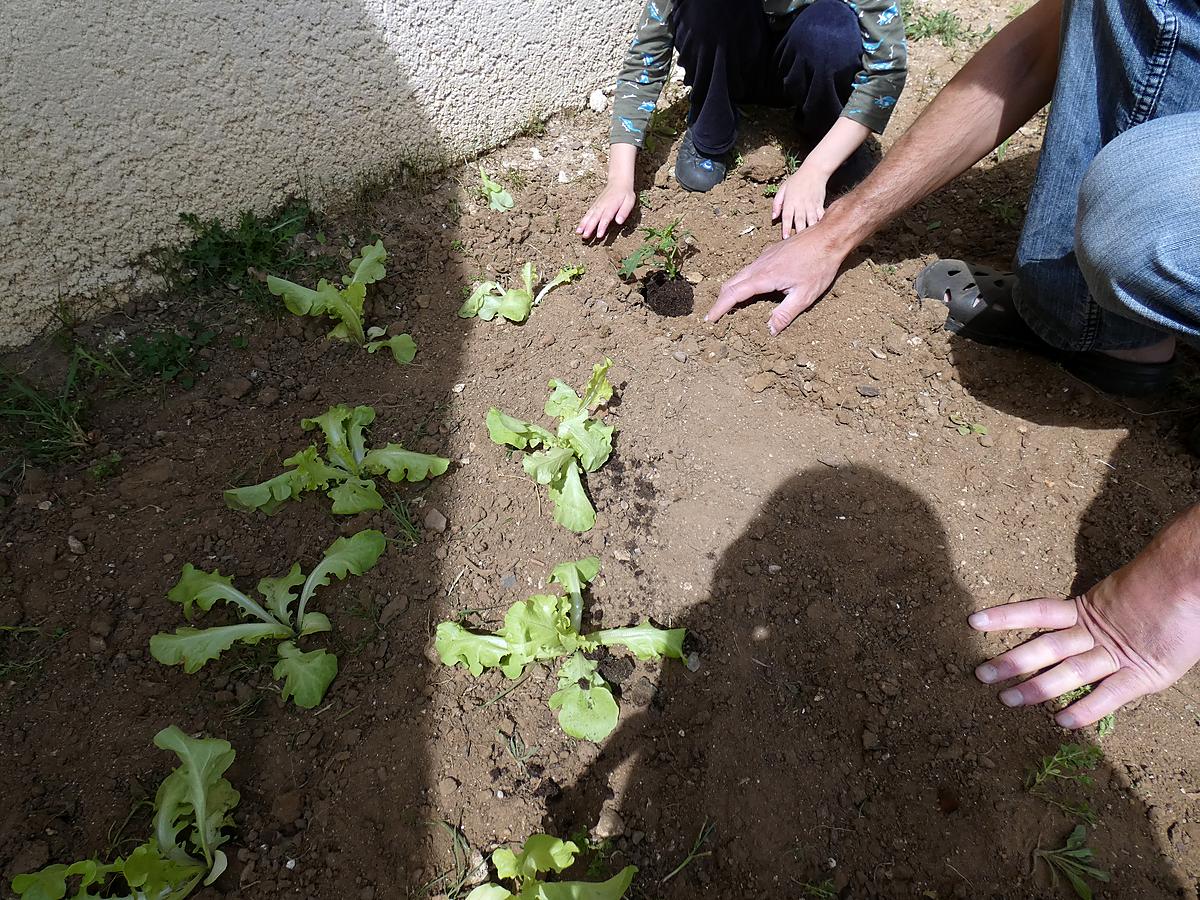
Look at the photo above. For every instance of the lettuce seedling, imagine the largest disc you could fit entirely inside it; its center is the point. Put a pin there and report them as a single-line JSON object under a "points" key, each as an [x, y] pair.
{"points": [[345, 304], [490, 299], [579, 443], [544, 853], [496, 196], [546, 627], [306, 675], [192, 808], [344, 474]]}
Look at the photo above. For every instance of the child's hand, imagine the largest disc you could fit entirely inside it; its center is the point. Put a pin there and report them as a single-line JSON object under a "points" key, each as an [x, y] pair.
{"points": [[800, 201], [613, 205]]}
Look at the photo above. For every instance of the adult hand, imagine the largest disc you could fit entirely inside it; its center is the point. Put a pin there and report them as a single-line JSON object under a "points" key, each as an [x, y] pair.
{"points": [[802, 268], [613, 205], [800, 201], [1135, 633]]}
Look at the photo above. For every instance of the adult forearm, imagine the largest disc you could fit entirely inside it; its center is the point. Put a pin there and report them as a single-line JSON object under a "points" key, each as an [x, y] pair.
{"points": [[993, 95]]}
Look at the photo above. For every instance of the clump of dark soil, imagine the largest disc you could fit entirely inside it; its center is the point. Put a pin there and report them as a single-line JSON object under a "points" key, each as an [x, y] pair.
{"points": [[670, 297]]}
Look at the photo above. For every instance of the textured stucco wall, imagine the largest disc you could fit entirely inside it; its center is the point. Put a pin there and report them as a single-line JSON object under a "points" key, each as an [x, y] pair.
{"points": [[116, 117]]}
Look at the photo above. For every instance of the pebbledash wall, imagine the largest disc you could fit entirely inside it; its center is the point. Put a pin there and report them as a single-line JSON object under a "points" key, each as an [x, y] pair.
{"points": [[117, 117]]}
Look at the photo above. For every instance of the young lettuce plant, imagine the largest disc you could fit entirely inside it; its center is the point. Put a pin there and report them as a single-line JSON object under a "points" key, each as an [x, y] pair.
{"points": [[344, 475], [193, 806], [544, 853], [496, 196], [345, 305], [306, 675], [579, 443], [489, 299], [547, 627]]}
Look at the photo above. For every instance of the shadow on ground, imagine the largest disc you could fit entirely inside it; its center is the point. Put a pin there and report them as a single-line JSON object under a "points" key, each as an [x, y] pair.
{"points": [[834, 729]]}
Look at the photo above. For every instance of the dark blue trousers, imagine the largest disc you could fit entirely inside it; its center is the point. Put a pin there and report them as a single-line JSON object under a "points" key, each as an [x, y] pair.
{"points": [[732, 52]]}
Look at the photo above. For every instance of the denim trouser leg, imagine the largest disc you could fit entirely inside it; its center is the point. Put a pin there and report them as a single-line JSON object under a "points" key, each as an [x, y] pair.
{"points": [[1123, 63], [731, 53], [1138, 229]]}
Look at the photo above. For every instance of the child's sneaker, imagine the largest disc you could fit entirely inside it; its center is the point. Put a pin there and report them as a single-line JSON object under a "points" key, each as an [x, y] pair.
{"points": [[696, 172]]}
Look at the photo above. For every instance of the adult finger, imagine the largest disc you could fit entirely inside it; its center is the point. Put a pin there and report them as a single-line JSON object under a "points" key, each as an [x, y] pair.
{"points": [[1044, 612], [587, 224], [777, 205], [1108, 696], [1073, 672], [1036, 654], [791, 211], [794, 303], [741, 287]]}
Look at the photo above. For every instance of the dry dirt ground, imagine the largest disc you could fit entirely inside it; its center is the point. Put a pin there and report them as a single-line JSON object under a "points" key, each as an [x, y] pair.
{"points": [[803, 505]]}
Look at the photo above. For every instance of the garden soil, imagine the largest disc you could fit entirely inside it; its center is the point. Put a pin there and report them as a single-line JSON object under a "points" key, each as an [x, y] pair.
{"points": [[807, 507]]}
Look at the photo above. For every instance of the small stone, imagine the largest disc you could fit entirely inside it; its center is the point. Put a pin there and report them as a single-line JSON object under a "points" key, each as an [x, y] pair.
{"points": [[986, 440], [268, 396], [679, 356], [693, 277], [448, 785], [760, 382], [75, 545], [597, 102], [308, 392], [394, 608], [236, 388], [867, 390], [101, 624], [611, 825], [435, 521], [508, 582]]}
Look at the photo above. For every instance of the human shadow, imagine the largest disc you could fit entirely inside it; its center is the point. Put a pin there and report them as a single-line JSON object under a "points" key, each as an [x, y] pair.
{"points": [[834, 733]]}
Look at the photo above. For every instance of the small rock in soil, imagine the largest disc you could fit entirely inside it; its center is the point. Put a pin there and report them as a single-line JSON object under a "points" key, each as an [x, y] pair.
{"points": [[867, 390], [268, 396], [611, 825], [680, 356], [597, 102], [236, 388], [101, 624], [760, 382], [395, 608], [308, 392], [75, 545], [508, 582], [448, 785], [435, 521]]}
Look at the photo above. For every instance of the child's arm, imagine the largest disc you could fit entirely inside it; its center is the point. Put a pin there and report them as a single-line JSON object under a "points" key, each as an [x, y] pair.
{"points": [[800, 201], [643, 74], [616, 202]]}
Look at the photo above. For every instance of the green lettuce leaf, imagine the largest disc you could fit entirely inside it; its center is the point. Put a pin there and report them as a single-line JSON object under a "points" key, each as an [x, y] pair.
{"points": [[403, 347], [355, 495], [454, 645], [645, 640], [343, 430], [564, 276], [49, 883], [404, 465], [280, 592], [572, 508], [315, 623], [490, 892], [347, 308], [268, 495], [193, 587], [591, 440], [573, 576], [497, 197], [586, 707], [598, 391], [306, 676], [538, 627], [197, 794], [153, 875], [613, 889], [473, 305], [302, 301], [193, 647], [541, 853], [346, 556], [512, 432], [368, 265], [548, 466]]}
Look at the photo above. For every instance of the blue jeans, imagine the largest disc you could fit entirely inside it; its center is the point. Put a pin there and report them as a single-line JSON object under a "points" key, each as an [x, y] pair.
{"points": [[1109, 257], [731, 53]]}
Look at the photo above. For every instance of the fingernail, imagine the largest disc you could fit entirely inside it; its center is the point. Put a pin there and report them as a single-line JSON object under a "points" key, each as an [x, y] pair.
{"points": [[1067, 719], [771, 329], [978, 620], [987, 673], [1011, 697]]}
